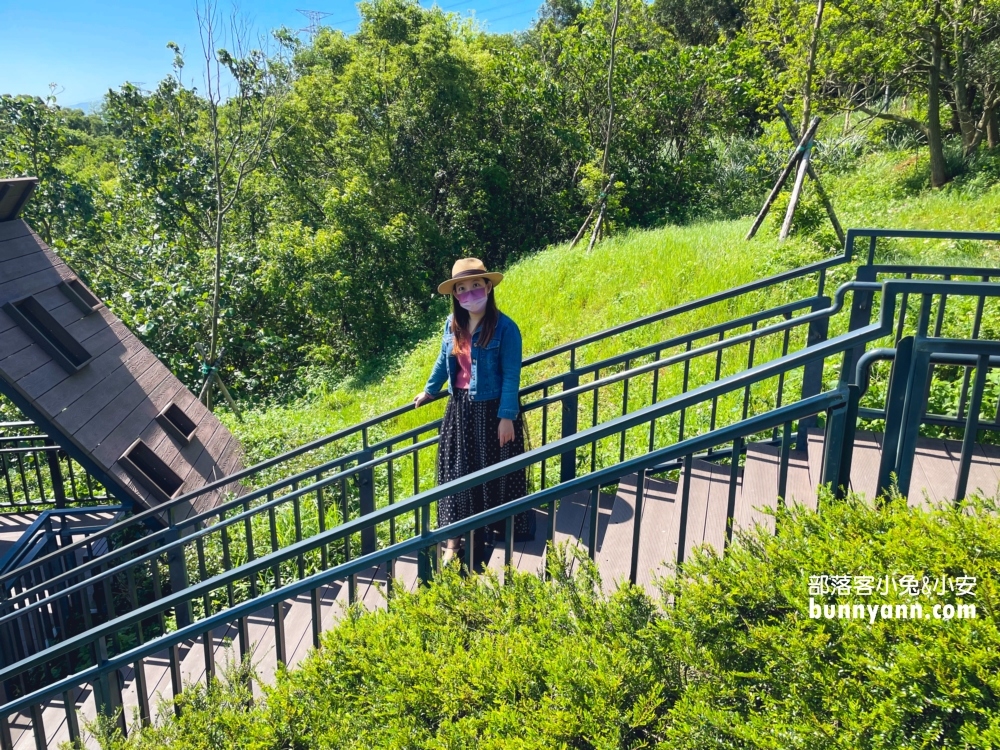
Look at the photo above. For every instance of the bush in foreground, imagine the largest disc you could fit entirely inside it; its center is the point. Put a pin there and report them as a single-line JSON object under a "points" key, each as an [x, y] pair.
{"points": [[735, 661]]}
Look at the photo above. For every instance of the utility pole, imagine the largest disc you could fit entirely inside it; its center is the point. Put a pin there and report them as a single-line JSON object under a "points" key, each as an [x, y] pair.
{"points": [[314, 17]]}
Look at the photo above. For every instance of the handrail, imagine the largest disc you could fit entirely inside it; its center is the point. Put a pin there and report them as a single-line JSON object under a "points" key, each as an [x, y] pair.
{"points": [[919, 234], [820, 267], [45, 587], [28, 534], [243, 500], [891, 289], [806, 407]]}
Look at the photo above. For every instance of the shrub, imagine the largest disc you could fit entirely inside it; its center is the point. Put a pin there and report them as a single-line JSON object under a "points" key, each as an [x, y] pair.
{"points": [[734, 661]]}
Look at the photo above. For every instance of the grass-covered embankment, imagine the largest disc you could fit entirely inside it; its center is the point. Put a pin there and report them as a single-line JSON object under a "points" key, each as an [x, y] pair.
{"points": [[559, 294], [735, 662]]}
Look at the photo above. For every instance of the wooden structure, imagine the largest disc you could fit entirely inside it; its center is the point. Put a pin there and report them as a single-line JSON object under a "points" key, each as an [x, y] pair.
{"points": [[74, 369]]}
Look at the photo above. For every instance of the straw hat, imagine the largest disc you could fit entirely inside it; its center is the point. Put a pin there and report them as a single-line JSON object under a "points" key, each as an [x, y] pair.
{"points": [[468, 268]]}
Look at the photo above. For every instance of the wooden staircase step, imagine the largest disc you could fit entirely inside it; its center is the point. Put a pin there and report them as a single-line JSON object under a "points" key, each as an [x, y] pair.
{"points": [[760, 488], [984, 472], [707, 505], [659, 534]]}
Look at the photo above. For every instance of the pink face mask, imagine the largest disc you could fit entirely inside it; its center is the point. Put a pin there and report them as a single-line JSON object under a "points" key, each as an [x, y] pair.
{"points": [[474, 300]]}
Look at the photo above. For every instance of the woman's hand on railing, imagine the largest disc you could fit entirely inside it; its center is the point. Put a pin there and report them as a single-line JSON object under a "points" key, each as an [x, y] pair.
{"points": [[422, 398]]}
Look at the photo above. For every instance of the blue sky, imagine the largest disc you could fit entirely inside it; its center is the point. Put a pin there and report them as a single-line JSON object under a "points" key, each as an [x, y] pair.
{"points": [[89, 46]]}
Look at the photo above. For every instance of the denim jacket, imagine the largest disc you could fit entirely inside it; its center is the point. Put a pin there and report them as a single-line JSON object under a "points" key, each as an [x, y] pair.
{"points": [[496, 368]]}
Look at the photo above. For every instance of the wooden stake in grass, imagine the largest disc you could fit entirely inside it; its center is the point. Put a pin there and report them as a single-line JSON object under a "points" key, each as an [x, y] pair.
{"points": [[792, 161], [827, 203], [800, 179]]}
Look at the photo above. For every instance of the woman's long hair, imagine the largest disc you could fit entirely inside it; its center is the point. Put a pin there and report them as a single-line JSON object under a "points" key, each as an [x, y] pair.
{"points": [[460, 322]]}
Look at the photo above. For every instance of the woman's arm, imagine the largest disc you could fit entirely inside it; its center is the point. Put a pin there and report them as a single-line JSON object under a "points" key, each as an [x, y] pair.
{"points": [[510, 371], [439, 373]]}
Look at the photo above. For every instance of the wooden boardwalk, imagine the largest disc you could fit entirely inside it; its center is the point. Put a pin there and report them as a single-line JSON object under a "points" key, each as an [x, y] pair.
{"points": [[934, 476]]}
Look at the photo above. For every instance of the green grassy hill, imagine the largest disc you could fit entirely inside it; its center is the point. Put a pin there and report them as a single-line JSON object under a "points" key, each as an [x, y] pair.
{"points": [[559, 294]]}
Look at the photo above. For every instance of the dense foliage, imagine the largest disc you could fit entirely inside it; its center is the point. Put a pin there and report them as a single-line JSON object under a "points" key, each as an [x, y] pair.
{"points": [[735, 661], [337, 183]]}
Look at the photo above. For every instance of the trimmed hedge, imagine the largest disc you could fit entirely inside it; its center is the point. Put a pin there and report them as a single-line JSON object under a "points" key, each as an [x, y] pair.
{"points": [[733, 661]]}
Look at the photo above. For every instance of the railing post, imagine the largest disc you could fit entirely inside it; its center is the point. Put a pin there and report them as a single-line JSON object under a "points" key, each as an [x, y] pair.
{"points": [[366, 490], [567, 461], [895, 399], [971, 427], [833, 447], [812, 373], [178, 572], [861, 315], [916, 391], [6, 741], [109, 696], [55, 471], [847, 446]]}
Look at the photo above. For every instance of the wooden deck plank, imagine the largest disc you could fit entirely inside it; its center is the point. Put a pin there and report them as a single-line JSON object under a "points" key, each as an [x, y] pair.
{"points": [[934, 473], [65, 394], [801, 485], [865, 464], [529, 556], [571, 515], [984, 471], [614, 549], [104, 393], [707, 509], [760, 488], [121, 404], [659, 533], [13, 230]]}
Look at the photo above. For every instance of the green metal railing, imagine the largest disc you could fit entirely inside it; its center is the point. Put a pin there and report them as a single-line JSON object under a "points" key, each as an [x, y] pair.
{"points": [[838, 404], [49, 585], [35, 473], [566, 417]]}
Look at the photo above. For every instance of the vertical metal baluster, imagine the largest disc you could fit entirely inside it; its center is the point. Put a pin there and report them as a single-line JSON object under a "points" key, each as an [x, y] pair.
{"points": [[685, 503], [940, 311], [593, 445], [207, 604], [72, 721], [508, 540], [38, 726], [786, 447], [316, 612], [684, 388], [227, 562], [176, 683], [640, 491], [595, 517], [734, 473], [297, 515], [967, 374], [746, 390], [251, 556], [718, 374], [621, 449], [352, 580], [656, 386], [416, 488], [902, 311], [545, 431], [324, 560]]}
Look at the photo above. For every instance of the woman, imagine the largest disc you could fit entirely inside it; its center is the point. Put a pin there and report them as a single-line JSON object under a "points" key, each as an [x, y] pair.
{"points": [[480, 359]]}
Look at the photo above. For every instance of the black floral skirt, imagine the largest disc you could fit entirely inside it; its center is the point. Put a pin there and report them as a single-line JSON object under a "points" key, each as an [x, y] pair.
{"points": [[468, 442]]}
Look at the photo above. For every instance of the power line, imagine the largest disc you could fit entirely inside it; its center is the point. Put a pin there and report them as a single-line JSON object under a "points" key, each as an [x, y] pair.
{"points": [[512, 15]]}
